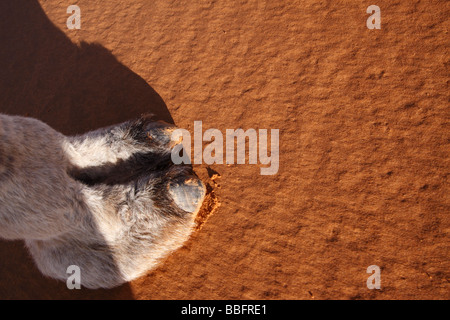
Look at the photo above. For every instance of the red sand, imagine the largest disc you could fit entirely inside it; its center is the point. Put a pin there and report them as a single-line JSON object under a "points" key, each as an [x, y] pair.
{"points": [[364, 136]]}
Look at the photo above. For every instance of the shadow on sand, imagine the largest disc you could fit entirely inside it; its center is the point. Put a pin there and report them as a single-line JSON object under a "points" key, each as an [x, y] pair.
{"points": [[74, 89]]}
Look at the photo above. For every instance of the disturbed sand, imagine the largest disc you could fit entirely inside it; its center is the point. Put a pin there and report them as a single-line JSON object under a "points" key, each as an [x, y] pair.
{"points": [[364, 136]]}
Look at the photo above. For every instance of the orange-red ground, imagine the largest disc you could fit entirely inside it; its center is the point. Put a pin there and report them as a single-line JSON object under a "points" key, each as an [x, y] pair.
{"points": [[364, 136]]}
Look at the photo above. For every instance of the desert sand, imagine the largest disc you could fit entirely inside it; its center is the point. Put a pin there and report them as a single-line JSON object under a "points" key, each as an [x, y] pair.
{"points": [[364, 136]]}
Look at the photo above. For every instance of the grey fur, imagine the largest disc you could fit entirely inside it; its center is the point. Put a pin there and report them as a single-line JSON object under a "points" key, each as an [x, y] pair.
{"points": [[105, 201]]}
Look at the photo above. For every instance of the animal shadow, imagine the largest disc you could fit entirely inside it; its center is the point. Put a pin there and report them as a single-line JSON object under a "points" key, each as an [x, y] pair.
{"points": [[74, 89]]}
